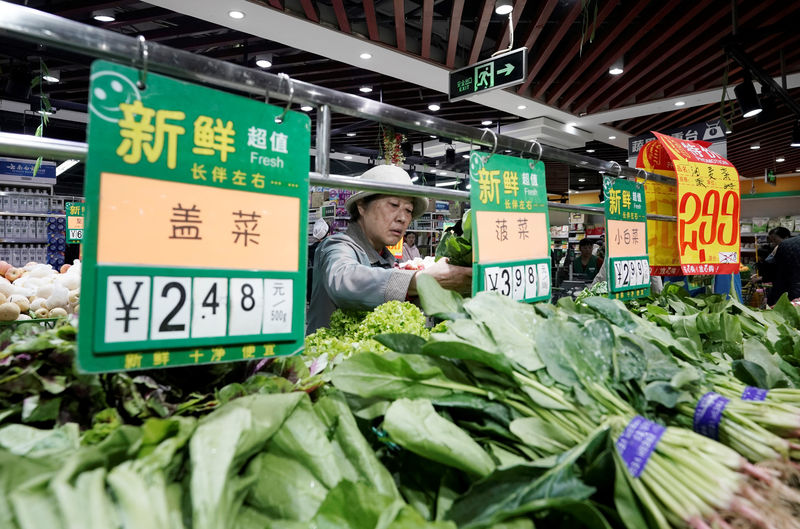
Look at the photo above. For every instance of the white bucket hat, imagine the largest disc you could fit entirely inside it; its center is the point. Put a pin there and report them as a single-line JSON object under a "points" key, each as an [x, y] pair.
{"points": [[389, 174]]}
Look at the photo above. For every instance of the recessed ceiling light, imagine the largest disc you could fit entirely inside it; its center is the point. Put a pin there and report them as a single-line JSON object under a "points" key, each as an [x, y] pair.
{"points": [[755, 146], [680, 103], [365, 89], [507, 151], [521, 107], [615, 71], [348, 157], [238, 15], [465, 155], [433, 107], [797, 170], [612, 137], [306, 108], [433, 171], [351, 134], [486, 122], [589, 150], [414, 178], [616, 68], [104, 15], [581, 179], [52, 76], [263, 60], [366, 56], [780, 159], [433, 136], [428, 121]]}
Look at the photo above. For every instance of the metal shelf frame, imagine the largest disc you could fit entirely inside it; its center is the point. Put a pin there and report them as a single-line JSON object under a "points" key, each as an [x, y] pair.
{"points": [[23, 23]]}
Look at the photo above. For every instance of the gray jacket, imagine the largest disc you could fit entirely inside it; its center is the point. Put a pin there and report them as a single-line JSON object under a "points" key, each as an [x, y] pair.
{"points": [[350, 274]]}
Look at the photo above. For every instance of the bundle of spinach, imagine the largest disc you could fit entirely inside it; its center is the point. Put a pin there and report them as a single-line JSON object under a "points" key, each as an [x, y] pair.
{"points": [[457, 248]]}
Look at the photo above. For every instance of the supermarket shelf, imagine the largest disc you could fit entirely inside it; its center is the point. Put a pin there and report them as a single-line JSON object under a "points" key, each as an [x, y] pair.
{"points": [[748, 250], [22, 241], [20, 214]]}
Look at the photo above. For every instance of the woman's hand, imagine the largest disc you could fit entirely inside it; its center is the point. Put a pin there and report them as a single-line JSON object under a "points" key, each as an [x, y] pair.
{"points": [[451, 277]]}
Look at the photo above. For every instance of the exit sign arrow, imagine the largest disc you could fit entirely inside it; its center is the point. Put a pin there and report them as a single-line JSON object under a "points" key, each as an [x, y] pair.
{"points": [[496, 72]]}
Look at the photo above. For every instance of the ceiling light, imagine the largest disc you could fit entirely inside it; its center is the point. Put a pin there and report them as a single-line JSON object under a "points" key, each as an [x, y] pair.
{"points": [[465, 156], [306, 108], [612, 137], [589, 150], [365, 89], [348, 157], [433, 107], [446, 183], [104, 15], [680, 103], [581, 179], [755, 146], [416, 123], [433, 171], [780, 159], [486, 122], [428, 121], [503, 7], [414, 178], [52, 76], [351, 134], [66, 166], [263, 60], [507, 151], [521, 107], [238, 15], [796, 135], [797, 170], [748, 98], [366, 56], [617, 67], [433, 136], [727, 127]]}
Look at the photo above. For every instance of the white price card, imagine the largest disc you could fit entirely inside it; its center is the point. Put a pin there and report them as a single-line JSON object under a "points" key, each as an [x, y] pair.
{"points": [[127, 308], [171, 308], [518, 280], [491, 278], [277, 306], [530, 282], [209, 307], [544, 278], [505, 286], [247, 306]]}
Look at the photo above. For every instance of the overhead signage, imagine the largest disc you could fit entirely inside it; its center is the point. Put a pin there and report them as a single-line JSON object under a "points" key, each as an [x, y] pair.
{"points": [[18, 170], [711, 131], [496, 72], [709, 207], [195, 239], [770, 178], [76, 211], [626, 239], [511, 235], [662, 236]]}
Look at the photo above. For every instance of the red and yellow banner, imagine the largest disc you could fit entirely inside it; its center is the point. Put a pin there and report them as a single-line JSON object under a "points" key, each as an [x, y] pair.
{"points": [[708, 207], [662, 236]]}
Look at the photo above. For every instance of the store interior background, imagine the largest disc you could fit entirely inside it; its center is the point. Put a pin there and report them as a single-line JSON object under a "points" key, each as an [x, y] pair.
{"points": [[673, 59]]}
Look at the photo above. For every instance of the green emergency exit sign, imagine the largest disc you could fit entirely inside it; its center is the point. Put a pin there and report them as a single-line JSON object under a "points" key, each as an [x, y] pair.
{"points": [[496, 72]]}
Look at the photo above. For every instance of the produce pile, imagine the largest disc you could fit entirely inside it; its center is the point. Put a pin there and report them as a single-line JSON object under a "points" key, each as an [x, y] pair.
{"points": [[38, 291], [505, 415]]}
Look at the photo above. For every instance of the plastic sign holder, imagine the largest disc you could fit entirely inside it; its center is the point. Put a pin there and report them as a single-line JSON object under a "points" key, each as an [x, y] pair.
{"points": [[626, 239], [76, 211], [195, 241], [511, 234], [709, 208]]}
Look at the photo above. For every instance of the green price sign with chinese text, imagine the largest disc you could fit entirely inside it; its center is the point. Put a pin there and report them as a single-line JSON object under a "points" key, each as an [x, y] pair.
{"points": [[510, 227], [628, 268], [75, 214], [196, 225]]}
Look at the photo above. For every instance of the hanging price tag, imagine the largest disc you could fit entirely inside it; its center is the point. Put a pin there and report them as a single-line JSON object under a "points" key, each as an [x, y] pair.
{"points": [[75, 213], [511, 236], [626, 239], [708, 208], [195, 248]]}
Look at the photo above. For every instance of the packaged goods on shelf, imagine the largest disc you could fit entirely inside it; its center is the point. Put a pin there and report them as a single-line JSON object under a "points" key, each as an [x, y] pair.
{"points": [[760, 224], [746, 225], [787, 222]]}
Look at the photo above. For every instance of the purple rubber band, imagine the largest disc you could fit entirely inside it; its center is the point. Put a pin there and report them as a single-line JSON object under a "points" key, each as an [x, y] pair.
{"points": [[751, 393], [708, 414], [637, 443]]}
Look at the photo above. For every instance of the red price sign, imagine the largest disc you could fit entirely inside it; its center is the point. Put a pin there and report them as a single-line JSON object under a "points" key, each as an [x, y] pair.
{"points": [[708, 208]]}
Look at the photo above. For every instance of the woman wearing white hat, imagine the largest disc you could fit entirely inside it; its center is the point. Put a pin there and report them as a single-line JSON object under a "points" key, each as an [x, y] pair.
{"points": [[355, 270]]}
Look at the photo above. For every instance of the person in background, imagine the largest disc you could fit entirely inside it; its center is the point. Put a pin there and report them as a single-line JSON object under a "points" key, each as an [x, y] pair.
{"points": [[586, 264], [355, 270], [410, 250], [320, 230], [766, 265], [785, 269]]}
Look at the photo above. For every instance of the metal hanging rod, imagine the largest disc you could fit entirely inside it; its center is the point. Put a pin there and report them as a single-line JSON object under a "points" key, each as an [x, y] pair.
{"points": [[32, 146], [38, 27]]}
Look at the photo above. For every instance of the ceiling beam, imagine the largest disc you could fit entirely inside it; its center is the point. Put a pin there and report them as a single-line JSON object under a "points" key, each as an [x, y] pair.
{"points": [[310, 10], [519, 5], [480, 31], [427, 28], [598, 47], [455, 26], [341, 16], [372, 21], [400, 24], [538, 25]]}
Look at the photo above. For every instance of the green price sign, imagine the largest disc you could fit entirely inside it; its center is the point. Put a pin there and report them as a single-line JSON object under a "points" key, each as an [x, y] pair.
{"points": [[628, 266], [75, 214], [196, 225], [510, 227], [496, 72]]}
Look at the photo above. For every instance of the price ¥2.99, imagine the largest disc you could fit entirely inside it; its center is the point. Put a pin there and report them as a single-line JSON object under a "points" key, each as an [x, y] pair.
{"points": [[141, 308], [713, 222], [631, 273]]}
